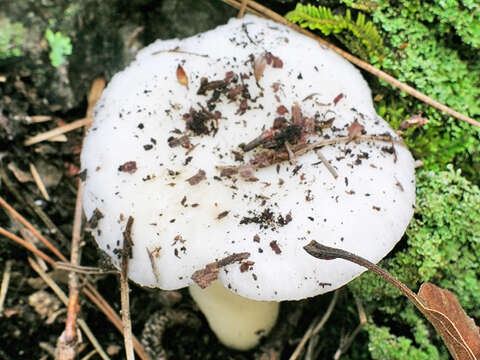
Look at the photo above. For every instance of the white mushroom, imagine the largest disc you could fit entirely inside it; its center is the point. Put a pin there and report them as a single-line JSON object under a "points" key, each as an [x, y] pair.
{"points": [[207, 143]]}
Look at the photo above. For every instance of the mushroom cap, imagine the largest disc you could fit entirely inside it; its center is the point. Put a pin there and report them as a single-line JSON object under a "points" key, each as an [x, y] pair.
{"points": [[150, 145]]}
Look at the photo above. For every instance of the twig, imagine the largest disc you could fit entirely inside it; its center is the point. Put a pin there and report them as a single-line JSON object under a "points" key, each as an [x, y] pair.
{"points": [[242, 9], [90, 290], [302, 149], [124, 290], [326, 163], [61, 295], [39, 182], [345, 343], [68, 339], [57, 131], [314, 330], [5, 283], [86, 270], [360, 63]]}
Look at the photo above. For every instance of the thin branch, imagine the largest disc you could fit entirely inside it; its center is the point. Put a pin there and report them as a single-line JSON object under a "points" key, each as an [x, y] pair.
{"points": [[68, 339], [326, 163], [242, 9], [314, 330], [61, 295], [345, 343], [124, 290], [86, 270], [360, 63]]}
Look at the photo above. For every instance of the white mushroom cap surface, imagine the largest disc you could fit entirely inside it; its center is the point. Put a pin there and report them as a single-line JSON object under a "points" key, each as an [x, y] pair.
{"points": [[134, 168]]}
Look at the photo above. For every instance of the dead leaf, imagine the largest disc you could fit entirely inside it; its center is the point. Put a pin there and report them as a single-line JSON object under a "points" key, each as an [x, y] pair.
{"points": [[259, 67], [182, 76], [354, 130], [458, 331], [195, 179], [207, 275], [415, 120]]}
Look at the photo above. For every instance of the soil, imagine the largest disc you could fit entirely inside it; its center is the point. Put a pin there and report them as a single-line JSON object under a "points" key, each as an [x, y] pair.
{"points": [[104, 36]]}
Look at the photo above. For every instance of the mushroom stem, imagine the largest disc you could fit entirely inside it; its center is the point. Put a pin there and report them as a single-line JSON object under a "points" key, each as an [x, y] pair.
{"points": [[238, 322]]}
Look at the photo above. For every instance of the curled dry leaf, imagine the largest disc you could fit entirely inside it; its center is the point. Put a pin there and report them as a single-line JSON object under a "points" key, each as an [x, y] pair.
{"points": [[442, 308], [415, 120], [182, 76], [458, 331]]}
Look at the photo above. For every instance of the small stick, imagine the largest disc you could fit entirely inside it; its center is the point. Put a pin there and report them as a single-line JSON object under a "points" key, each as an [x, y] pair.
{"points": [[326, 163], [345, 343], [57, 131], [5, 283], [312, 331], [68, 339], [125, 300], [63, 297], [360, 63], [242, 9], [38, 180], [87, 270]]}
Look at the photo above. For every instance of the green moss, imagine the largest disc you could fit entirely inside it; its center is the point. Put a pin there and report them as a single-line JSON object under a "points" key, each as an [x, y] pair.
{"points": [[442, 246], [60, 46], [432, 47], [11, 37]]}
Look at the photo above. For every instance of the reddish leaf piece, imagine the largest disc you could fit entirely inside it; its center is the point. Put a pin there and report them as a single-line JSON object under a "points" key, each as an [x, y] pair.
{"points": [[182, 76], [128, 167], [354, 130], [209, 273], [458, 331]]}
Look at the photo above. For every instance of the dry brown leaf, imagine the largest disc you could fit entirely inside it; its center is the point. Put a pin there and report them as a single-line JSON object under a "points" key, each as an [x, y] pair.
{"points": [[442, 308], [458, 331], [354, 130], [259, 67], [182, 76]]}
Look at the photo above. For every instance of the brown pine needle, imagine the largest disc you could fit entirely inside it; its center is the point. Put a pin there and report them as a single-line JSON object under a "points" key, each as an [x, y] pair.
{"points": [[30, 227], [5, 283], [57, 131], [360, 63], [27, 246], [39, 182]]}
